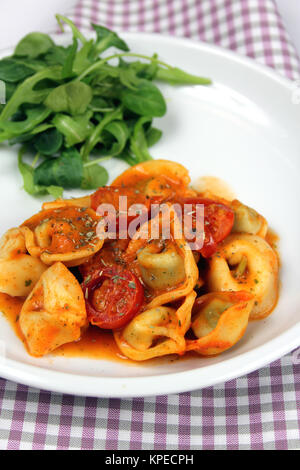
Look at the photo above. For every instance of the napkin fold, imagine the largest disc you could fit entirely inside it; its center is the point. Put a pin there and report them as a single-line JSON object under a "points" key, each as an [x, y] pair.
{"points": [[250, 27]]}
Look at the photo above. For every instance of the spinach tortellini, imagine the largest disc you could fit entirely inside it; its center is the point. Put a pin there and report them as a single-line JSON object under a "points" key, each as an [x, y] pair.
{"points": [[219, 320], [156, 332], [161, 265], [167, 267], [246, 262]]}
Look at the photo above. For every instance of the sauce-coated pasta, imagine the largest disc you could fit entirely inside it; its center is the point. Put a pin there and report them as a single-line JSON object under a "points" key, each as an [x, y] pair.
{"points": [[177, 270]]}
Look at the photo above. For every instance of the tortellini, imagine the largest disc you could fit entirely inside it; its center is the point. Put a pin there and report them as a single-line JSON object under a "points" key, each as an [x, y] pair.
{"points": [[157, 178], [19, 272], [84, 201], [248, 220], [161, 265], [156, 332], [219, 321], [172, 273], [67, 233], [142, 275], [246, 262], [54, 312]]}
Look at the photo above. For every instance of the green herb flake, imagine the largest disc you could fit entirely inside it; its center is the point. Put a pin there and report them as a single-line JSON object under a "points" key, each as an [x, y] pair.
{"points": [[132, 285], [87, 279]]}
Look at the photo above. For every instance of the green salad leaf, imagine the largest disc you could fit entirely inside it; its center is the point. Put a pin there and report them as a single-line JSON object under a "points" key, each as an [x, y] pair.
{"points": [[72, 98], [146, 99], [74, 106], [65, 171], [27, 173], [48, 142], [75, 129], [13, 71], [32, 117], [115, 137], [27, 92], [33, 45], [138, 141], [153, 135], [106, 39], [94, 177], [176, 76]]}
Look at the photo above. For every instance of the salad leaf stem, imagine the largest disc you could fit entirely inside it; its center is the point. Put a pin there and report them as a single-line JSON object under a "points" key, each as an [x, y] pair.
{"points": [[76, 33], [94, 137], [36, 159], [193, 78], [96, 161]]}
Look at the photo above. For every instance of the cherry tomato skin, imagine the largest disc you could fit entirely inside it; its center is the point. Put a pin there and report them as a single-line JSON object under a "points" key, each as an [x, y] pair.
{"points": [[113, 296], [218, 223]]}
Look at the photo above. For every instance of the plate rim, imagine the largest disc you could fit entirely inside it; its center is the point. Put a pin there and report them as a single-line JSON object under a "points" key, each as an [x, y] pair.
{"points": [[129, 387]]}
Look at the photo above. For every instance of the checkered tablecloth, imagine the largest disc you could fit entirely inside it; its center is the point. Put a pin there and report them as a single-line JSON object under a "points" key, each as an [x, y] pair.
{"points": [[258, 411]]}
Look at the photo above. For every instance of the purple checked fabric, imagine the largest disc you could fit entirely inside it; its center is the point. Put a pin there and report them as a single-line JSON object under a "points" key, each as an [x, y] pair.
{"points": [[258, 411], [250, 27]]}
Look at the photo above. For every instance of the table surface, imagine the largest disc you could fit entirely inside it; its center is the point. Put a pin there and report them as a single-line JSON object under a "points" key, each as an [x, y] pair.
{"points": [[13, 12]]}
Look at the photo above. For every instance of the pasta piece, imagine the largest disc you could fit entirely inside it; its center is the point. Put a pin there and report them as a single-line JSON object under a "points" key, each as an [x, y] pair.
{"points": [[161, 266], [67, 234], [153, 168], [156, 332], [167, 284], [246, 262], [215, 188], [84, 201], [54, 313], [248, 220], [19, 272], [12, 243], [157, 178], [219, 321]]}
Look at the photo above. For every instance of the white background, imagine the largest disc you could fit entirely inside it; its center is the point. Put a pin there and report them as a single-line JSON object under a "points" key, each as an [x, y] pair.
{"points": [[18, 17]]}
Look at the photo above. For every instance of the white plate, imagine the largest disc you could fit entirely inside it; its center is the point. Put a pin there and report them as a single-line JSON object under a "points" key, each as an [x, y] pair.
{"points": [[244, 129]]}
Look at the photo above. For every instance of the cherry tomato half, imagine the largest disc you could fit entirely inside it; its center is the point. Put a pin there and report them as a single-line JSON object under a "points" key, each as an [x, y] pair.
{"points": [[218, 223], [113, 297]]}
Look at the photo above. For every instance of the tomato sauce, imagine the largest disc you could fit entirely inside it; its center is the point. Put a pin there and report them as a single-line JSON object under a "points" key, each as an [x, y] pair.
{"points": [[11, 308], [97, 343], [94, 343]]}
